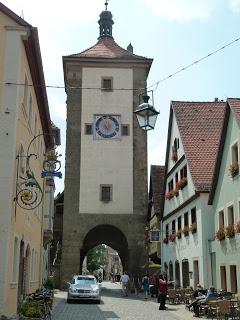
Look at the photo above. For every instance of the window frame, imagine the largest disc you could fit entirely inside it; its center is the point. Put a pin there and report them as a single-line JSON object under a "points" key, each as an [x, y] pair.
{"points": [[107, 88], [110, 192], [86, 127]]}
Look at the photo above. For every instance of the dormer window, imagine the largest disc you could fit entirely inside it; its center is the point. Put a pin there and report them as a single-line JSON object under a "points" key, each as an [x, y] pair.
{"points": [[175, 147], [234, 167]]}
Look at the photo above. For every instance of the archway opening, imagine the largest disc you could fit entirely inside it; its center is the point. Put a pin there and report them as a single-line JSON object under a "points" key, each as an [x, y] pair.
{"points": [[105, 240], [103, 262]]}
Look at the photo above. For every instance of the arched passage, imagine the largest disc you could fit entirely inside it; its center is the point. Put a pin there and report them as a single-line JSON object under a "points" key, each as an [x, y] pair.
{"points": [[109, 235]]}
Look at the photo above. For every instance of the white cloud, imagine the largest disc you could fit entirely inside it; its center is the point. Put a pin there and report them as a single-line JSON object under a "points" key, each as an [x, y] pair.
{"points": [[182, 10], [235, 5]]}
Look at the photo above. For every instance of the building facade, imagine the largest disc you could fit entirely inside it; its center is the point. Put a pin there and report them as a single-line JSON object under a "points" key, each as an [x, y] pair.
{"points": [[24, 117], [225, 200], [187, 225], [105, 196]]}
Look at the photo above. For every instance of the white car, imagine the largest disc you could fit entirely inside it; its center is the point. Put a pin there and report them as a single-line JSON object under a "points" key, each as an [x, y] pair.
{"points": [[83, 287]]}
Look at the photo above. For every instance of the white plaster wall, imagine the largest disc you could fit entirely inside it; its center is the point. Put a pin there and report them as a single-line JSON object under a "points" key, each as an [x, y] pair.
{"points": [[106, 162], [227, 194]]}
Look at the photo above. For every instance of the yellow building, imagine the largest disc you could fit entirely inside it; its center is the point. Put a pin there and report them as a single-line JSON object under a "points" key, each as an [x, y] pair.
{"points": [[24, 117]]}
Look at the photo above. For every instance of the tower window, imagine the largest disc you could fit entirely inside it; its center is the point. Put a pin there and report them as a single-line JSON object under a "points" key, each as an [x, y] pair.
{"points": [[106, 193], [107, 84], [88, 128], [125, 130]]}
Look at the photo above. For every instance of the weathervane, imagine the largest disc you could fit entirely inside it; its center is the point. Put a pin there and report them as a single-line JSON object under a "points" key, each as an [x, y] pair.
{"points": [[106, 4]]}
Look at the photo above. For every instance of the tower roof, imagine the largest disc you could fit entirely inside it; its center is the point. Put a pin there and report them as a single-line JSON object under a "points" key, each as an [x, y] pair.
{"points": [[106, 47]]}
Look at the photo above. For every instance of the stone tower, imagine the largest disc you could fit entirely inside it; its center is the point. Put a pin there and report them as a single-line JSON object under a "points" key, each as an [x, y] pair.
{"points": [[105, 196]]}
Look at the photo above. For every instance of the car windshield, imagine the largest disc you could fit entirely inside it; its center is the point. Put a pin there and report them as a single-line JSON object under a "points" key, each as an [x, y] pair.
{"points": [[84, 281]]}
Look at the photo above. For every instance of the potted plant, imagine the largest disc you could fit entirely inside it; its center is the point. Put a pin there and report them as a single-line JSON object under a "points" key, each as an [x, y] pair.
{"points": [[193, 227], [169, 195], [165, 240], [30, 310], [182, 183], [220, 234], [179, 233], [185, 231], [234, 169], [237, 226], [230, 231], [172, 237]]}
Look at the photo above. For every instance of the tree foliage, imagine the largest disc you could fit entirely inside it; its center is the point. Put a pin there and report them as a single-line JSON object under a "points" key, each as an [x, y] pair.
{"points": [[96, 257]]}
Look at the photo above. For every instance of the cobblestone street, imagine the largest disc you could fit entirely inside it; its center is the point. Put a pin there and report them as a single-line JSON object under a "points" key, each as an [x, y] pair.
{"points": [[115, 306]]}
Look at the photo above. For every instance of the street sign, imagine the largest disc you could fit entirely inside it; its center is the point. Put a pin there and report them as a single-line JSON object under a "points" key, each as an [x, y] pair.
{"points": [[51, 174], [155, 235]]}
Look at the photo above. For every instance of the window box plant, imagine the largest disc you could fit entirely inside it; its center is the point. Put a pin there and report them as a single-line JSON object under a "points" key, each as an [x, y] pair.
{"points": [[30, 310], [179, 233], [169, 195], [230, 231], [174, 156], [165, 240], [234, 169], [185, 231], [237, 226], [182, 183], [193, 227], [172, 237], [220, 234]]}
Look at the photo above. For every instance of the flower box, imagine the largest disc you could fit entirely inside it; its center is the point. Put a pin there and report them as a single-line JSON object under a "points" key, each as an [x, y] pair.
{"points": [[220, 234], [182, 183], [234, 169], [193, 227], [174, 156], [237, 226], [169, 195], [172, 237], [179, 233], [165, 240], [230, 231], [185, 231]]}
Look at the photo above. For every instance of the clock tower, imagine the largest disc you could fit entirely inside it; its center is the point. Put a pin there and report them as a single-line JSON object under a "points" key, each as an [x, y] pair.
{"points": [[105, 196]]}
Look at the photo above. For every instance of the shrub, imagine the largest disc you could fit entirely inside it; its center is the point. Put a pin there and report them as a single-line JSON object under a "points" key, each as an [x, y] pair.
{"points": [[48, 283], [220, 234], [31, 309], [230, 231]]}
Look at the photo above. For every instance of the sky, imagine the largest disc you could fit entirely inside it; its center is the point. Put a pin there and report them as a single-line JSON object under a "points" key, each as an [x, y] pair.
{"points": [[174, 33]]}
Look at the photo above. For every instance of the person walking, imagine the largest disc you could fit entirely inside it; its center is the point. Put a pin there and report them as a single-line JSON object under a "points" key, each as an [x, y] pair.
{"points": [[124, 280], [145, 283], [136, 284], [162, 291]]}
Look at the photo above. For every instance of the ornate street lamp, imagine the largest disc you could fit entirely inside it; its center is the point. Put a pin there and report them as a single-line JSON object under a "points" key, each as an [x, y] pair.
{"points": [[146, 114]]}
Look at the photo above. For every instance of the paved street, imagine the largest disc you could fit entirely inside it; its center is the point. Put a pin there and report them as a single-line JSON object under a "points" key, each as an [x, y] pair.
{"points": [[114, 306]]}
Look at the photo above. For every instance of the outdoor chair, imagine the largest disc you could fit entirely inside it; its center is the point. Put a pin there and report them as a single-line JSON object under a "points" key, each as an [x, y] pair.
{"points": [[224, 310], [204, 307], [172, 296]]}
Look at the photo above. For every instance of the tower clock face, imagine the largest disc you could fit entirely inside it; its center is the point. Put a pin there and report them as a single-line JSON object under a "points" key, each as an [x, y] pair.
{"points": [[107, 126]]}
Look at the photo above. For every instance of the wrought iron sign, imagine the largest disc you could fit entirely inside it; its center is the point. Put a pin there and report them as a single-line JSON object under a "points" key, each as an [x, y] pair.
{"points": [[29, 193]]}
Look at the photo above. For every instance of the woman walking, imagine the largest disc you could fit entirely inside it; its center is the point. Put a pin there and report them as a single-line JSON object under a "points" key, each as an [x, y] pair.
{"points": [[145, 283]]}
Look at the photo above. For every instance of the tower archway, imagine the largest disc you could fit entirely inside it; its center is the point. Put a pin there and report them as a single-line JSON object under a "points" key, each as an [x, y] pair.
{"points": [[108, 235]]}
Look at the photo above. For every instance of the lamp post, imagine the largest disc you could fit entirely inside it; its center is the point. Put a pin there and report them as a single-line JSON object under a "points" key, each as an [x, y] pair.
{"points": [[146, 113]]}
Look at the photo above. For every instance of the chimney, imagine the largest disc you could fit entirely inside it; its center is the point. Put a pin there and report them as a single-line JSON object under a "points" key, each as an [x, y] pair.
{"points": [[130, 48], [216, 100]]}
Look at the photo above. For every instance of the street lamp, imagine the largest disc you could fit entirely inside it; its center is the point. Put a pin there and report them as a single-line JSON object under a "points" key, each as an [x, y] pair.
{"points": [[146, 114]]}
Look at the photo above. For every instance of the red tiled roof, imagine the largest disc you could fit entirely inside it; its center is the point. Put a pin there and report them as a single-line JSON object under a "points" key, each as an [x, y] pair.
{"points": [[106, 47], [234, 104], [200, 125]]}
